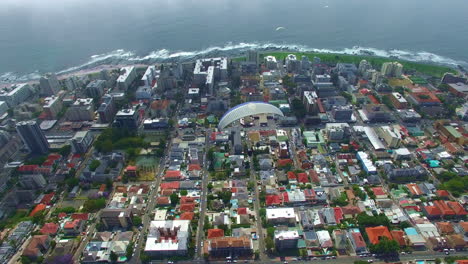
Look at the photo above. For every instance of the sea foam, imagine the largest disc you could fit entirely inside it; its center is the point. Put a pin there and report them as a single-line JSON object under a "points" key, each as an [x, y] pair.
{"points": [[121, 56]]}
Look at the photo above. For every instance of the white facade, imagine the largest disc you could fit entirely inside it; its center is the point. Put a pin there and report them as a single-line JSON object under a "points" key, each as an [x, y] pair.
{"points": [[52, 106], [128, 75], [16, 94], [3, 108], [280, 215], [81, 142], [81, 110], [149, 76], [247, 109], [168, 237]]}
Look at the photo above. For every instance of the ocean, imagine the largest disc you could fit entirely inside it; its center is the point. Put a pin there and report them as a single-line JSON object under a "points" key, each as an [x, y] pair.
{"points": [[63, 36]]}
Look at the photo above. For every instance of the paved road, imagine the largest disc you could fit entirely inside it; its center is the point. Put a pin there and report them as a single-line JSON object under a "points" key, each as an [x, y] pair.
{"points": [[340, 260], [153, 195], [258, 222], [203, 199]]}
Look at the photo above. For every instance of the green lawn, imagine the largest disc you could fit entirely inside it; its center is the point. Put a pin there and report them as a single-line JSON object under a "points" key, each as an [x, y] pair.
{"points": [[429, 69]]}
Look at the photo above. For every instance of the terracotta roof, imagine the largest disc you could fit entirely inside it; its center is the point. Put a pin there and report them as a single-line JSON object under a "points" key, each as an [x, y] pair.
{"points": [[378, 191], [242, 211], [80, 216], [163, 200], [194, 167], [273, 200], [188, 207], [72, 224], [62, 215], [445, 227], [213, 233], [170, 185], [187, 199], [338, 214], [350, 210], [47, 198], [376, 233], [442, 193], [292, 175], [433, 210], [464, 225], [314, 176], [398, 236], [225, 242], [27, 168], [457, 208], [443, 207], [37, 209], [302, 177], [187, 216], [159, 104], [49, 228], [284, 162], [172, 174], [285, 196], [357, 236], [32, 249], [414, 189]]}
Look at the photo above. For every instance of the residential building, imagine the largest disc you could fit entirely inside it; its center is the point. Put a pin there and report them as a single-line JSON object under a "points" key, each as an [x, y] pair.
{"points": [[81, 110], [390, 136], [398, 101], [127, 76], [95, 89], [377, 113], [310, 102], [459, 89], [233, 247], [271, 63], [375, 234], [342, 113], [144, 93], [33, 137], [52, 106], [73, 227], [81, 142], [292, 64], [121, 218], [281, 215], [16, 94], [252, 56], [168, 238], [129, 118], [49, 84], [32, 181], [363, 67], [9, 145], [392, 69], [107, 109], [150, 76], [286, 239], [37, 247]]}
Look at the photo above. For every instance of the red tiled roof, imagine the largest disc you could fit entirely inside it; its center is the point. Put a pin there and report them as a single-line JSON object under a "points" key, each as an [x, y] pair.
{"points": [[159, 104], [273, 200], [186, 199], [188, 207], [194, 167], [285, 196], [80, 216], [457, 208], [358, 239], [378, 191], [373, 99], [432, 210], [242, 211], [414, 189], [444, 208], [309, 194], [37, 209], [338, 214], [47, 198], [172, 174], [187, 216], [170, 185], [442, 193], [292, 175], [62, 215], [284, 162], [350, 210], [49, 228], [213, 233], [302, 177], [398, 236], [376, 233], [445, 227], [72, 224], [314, 176], [27, 168], [163, 200], [131, 168]]}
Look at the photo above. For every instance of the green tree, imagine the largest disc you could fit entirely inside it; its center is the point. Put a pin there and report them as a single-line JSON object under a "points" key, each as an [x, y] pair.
{"points": [[262, 212], [137, 221], [210, 186], [183, 193], [174, 199], [385, 247], [65, 150], [269, 243], [113, 257], [129, 250], [25, 260], [94, 165]]}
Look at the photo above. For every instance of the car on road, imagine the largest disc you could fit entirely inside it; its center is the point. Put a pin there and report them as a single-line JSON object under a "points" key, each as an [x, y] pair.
{"points": [[370, 261]]}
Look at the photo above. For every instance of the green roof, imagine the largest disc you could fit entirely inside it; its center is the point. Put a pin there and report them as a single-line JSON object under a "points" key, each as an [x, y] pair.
{"points": [[453, 131]]}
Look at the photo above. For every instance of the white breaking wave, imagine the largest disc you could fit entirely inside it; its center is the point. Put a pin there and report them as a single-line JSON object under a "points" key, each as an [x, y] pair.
{"points": [[232, 50]]}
